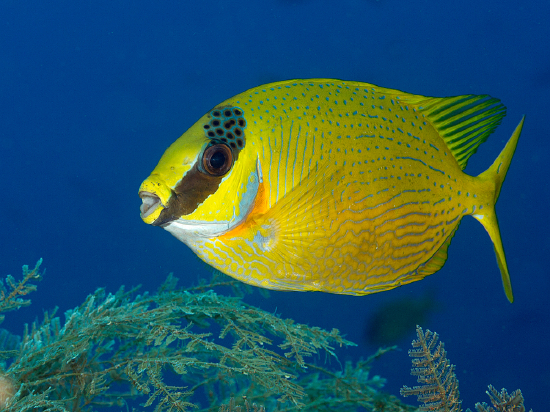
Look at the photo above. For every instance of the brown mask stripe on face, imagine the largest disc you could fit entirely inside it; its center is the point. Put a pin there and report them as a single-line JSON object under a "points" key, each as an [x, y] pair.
{"points": [[191, 191]]}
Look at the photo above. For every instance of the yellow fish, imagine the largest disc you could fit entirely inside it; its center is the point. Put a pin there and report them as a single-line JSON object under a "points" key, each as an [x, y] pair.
{"points": [[329, 185]]}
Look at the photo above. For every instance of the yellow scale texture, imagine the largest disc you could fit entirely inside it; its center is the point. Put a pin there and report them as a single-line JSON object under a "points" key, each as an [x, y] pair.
{"points": [[359, 190]]}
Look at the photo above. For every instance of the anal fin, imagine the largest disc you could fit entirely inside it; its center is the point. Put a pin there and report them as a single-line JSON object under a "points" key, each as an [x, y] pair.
{"points": [[437, 261]]}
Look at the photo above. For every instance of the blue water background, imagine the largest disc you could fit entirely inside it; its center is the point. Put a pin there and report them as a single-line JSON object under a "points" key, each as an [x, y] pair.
{"points": [[92, 93]]}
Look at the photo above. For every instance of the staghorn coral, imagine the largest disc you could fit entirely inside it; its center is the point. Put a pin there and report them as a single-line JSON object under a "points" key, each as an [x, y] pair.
{"points": [[11, 292], [502, 402], [439, 389], [439, 385], [194, 349], [233, 407], [179, 350]]}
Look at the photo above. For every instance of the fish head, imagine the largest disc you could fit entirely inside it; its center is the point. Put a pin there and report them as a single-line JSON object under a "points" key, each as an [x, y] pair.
{"points": [[206, 182]]}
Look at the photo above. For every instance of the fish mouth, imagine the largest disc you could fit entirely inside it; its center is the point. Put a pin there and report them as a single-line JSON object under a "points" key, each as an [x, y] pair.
{"points": [[150, 203]]}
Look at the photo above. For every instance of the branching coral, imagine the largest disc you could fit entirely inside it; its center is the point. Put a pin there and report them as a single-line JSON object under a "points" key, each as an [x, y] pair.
{"points": [[179, 350], [438, 391]]}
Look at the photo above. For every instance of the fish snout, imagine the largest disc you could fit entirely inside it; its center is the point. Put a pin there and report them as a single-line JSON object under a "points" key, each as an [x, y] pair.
{"points": [[150, 203]]}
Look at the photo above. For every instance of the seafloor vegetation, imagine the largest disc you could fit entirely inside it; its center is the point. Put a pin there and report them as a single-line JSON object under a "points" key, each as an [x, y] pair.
{"points": [[193, 349]]}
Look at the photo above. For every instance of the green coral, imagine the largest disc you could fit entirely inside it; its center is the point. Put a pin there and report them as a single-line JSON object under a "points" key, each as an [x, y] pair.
{"points": [[172, 348], [10, 296], [194, 349]]}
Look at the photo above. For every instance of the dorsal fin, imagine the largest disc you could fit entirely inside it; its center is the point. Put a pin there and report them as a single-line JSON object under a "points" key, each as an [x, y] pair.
{"points": [[464, 122]]}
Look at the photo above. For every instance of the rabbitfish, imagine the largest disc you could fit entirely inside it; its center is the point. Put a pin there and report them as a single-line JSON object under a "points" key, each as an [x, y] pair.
{"points": [[329, 185]]}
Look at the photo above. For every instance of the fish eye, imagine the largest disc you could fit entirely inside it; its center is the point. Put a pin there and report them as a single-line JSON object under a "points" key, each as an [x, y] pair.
{"points": [[217, 160]]}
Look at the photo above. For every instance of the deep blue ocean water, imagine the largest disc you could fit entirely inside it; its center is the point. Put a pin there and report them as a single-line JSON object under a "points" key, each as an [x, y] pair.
{"points": [[92, 93]]}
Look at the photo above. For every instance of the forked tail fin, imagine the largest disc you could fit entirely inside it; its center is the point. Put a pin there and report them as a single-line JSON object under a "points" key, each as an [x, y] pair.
{"points": [[496, 174]]}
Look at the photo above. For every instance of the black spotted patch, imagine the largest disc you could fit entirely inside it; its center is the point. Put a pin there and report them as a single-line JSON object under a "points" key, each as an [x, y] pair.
{"points": [[226, 124]]}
